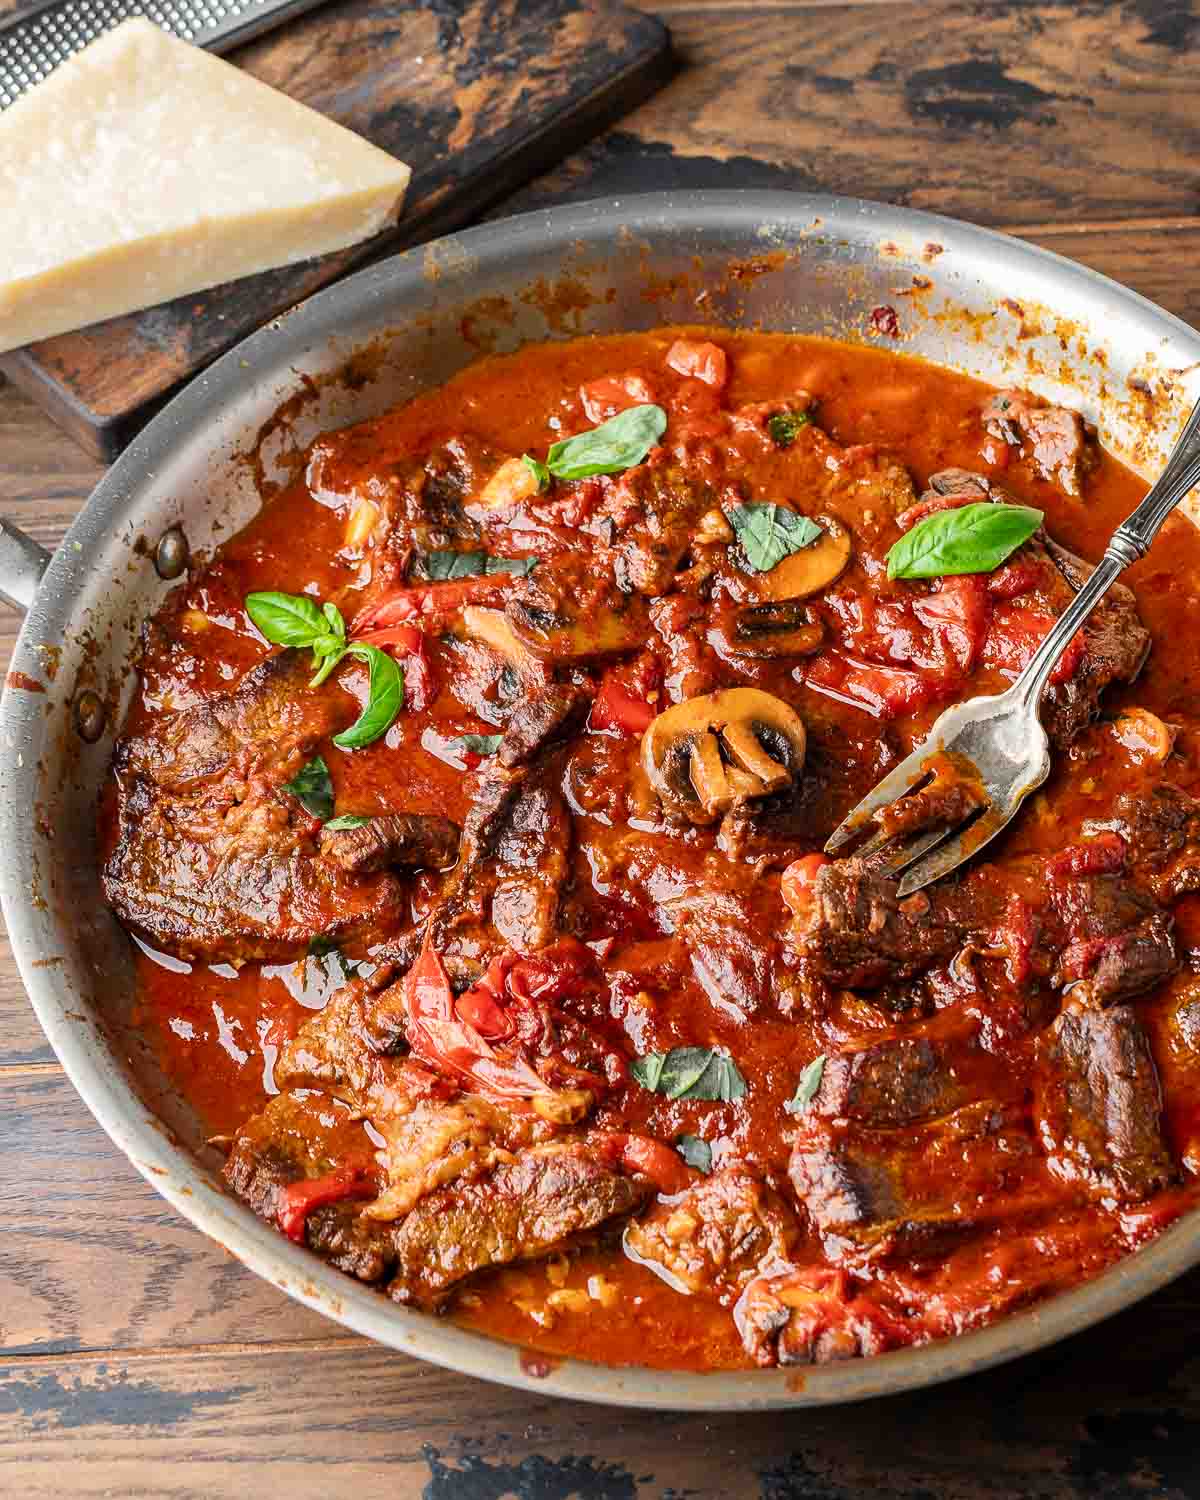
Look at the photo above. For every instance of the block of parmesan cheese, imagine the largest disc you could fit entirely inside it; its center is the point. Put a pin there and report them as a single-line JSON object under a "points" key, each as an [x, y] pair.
{"points": [[145, 168]]}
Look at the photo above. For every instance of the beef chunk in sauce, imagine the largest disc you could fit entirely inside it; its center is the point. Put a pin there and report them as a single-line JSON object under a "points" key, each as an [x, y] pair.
{"points": [[891, 1080], [416, 840], [813, 1316], [861, 934], [884, 1193], [1055, 438], [1099, 1106], [1161, 826], [714, 1237], [215, 860], [541, 1201]]}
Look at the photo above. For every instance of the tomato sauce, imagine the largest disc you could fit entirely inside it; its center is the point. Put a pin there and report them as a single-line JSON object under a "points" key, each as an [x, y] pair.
{"points": [[218, 1030]]}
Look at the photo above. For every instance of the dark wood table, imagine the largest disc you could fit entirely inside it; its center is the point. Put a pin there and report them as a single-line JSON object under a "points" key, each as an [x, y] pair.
{"points": [[140, 1360]]}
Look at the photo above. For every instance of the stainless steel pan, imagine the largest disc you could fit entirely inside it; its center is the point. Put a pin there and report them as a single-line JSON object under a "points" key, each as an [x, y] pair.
{"points": [[991, 306]]}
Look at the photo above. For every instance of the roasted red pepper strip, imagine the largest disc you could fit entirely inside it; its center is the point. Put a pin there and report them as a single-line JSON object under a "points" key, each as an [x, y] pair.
{"points": [[298, 1199], [624, 701], [408, 643], [645, 1156], [440, 1038], [431, 604]]}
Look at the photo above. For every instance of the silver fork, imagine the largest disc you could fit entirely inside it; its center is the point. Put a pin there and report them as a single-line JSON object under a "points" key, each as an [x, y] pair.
{"points": [[998, 742]]}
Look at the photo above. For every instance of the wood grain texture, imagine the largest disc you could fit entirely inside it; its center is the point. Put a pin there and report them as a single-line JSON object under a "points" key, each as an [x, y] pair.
{"points": [[999, 113], [92, 1258], [476, 96], [371, 1424]]}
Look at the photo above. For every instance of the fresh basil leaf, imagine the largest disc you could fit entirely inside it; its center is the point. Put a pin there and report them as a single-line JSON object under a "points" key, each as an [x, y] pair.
{"points": [[337, 625], [440, 566], [768, 533], [695, 1152], [690, 1073], [331, 958], [477, 744], [972, 539], [319, 946], [619, 443], [521, 566], [785, 425], [538, 469], [313, 786], [385, 697], [286, 619], [328, 650], [648, 1070], [347, 820], [806, 1089]]}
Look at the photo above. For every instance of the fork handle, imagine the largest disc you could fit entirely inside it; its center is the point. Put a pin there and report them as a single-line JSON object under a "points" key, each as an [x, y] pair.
{"points": [[1128, 543]]}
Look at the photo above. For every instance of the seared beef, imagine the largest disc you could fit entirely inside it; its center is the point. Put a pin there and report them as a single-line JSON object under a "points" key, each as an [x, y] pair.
{"points": [[811, 1317], [655, 507], [540, 1202], [539, 720], [1116, 644], [1054, 438], [1161, 826], [861, 934], [1051, 923], [714, 1237], [570, 610], [886, 1192], [215, 860], [889, 1081], [413, 839], [1098, 1104]]}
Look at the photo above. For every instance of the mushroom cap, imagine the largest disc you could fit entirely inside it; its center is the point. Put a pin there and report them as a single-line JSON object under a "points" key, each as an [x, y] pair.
{"points": [[813, 568], [708, 754]]}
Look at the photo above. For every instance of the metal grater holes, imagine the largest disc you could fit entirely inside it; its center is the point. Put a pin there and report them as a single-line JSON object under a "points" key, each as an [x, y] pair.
{"points": [[31, 49]]}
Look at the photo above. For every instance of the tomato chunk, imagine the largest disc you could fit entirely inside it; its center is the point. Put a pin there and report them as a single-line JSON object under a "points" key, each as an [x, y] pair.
{"points": [[959, 612], [640, 1154], [1016, 633], [699, 361], [604, 397], [1102, 855], [408, 645], [627, 697], [883, 691]]}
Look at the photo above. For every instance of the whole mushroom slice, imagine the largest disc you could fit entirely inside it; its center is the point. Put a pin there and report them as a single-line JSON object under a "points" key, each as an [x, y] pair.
{"points": [[712, 753], [777, 628], [813, 568]]}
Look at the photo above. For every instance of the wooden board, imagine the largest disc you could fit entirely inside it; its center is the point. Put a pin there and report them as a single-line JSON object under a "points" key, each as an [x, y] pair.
{"points": [[476, 96]]}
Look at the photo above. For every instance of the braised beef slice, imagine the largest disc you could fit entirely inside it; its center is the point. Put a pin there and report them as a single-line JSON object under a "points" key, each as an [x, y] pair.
{"points": [[1161, 826], [813, 1316], [540, 720], [1055, 438], [1108, 933], [861, 934], [414, 839], [543, 1200], [655, 507], [1098, 1105], [571, 610], [1116, 644], [889, 1081], [715, 1236], [215, 861], [880, 1191]]}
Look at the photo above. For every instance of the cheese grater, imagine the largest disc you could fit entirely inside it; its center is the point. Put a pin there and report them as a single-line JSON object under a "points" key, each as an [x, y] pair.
{"points": [[40, 36]]}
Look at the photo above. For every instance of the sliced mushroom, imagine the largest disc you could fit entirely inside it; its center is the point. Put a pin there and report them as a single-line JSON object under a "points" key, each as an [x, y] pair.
{"points": [[780, 628], [492, 628], [1144, 735], [709, 754], [813, 568]]}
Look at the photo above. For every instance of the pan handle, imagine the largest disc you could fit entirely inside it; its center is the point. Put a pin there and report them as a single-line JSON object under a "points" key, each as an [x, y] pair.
{"points": [[22, 563]]}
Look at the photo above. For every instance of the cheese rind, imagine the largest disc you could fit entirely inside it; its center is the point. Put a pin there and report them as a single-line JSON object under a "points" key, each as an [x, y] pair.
{"points": [[145, 169]]}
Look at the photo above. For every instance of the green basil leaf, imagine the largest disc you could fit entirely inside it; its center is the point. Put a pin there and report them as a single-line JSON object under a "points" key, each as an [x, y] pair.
{"points": [[972, 539], [347, 820], [328, 651], [331, 958], [521, 566], [286, 619], [337, 625], [690, 1073], [785, 425], [806, 1089], [385, 696], [619, 443], [768, 533], [440, 566], [695, 1152], [320, 945], [648, 1070], [313, 786], [538, 469], [477, 744]]}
